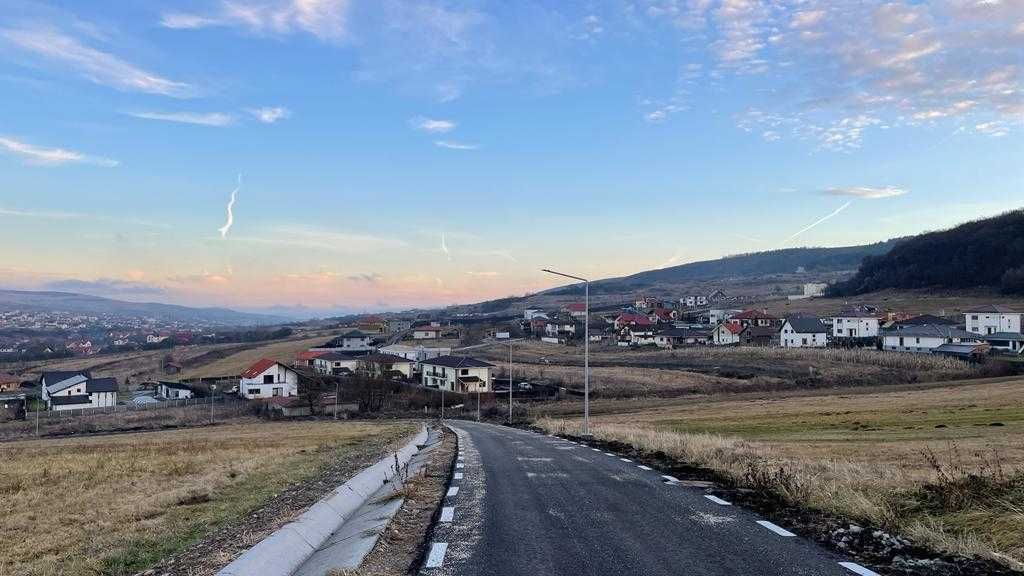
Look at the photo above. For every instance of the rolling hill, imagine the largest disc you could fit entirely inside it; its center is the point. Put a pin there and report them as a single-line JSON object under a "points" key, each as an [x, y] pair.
{"points": [[96, 305], [985, 253]]}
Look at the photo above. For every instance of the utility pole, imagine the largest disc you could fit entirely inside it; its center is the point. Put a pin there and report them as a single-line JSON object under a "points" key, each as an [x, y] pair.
{"points": [[337, 392], [213, 392], [586, 348]]}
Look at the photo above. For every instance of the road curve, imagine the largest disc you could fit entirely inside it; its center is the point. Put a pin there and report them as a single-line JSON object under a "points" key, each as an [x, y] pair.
{"points": [[527, 504]]}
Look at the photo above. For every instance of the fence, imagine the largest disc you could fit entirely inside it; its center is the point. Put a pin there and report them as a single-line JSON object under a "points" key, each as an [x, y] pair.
{"points": [[218, 402]]}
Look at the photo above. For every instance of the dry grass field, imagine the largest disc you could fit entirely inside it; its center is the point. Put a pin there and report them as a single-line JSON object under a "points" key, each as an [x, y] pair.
{"points": [[943, 464], [117, 504], [951, 303]]}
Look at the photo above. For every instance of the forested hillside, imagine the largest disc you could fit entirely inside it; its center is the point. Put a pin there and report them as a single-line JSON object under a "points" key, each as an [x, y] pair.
{"points": [[982, 253]]}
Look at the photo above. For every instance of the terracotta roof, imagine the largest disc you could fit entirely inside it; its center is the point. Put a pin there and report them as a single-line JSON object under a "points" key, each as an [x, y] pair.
{"points": [[259, 367], [633, 319], [751, 315], [308, 355], [576, 307]]}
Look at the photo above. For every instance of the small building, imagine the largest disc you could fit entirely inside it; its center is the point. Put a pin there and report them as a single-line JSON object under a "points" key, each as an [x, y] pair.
{"points": [[457, 374], [12, 406], [662, 315], [678, 337], [415, 353], [971, 351], [811, 290], [753, 318], [719, 315], [268, 378], [759, 336], [531, 313], [426, 333], [726, 334], [925, 338], [855, 325], [174, 390], [1012, 342], [337, 363], [564, 327], [628, 319], [351, 341], [288, 407], [923, 319], [76, 390], [803, 332], [991, 319], [575, 309], [9, 382], [306, 357], [640, 335], [387, 366]]}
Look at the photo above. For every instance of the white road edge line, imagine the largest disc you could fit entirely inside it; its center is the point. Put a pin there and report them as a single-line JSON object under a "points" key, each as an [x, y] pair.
{"points": [[670, 478], [452, 491], [858, 569], [777, 529], [436, 556], [642, 467], [626, 460], [447, 513], [458, 476], [609, 454], [595, 449], [717, 500]]}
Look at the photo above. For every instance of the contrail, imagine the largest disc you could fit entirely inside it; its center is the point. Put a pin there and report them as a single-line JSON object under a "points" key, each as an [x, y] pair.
{"points": [[444, 248], [818, 221], [231, 204]]}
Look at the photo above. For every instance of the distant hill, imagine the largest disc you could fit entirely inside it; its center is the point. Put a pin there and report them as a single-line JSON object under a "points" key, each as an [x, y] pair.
{"points": [[983, 253], [757, 264], [96, 305]]}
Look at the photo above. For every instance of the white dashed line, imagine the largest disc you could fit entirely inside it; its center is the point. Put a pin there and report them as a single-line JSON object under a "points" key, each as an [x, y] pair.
{"points": [[459, 465], [609, 454], [626, 460], [453, 491], [595, 449], [717, 500], [670, 478], [447, 513], [857, 569], [436, 556], [642, 467], [777, 529], [458, 476]]}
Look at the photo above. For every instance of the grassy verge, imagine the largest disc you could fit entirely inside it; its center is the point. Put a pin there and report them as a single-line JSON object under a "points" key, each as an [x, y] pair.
{"points": [[942, 465], [117, 504]]}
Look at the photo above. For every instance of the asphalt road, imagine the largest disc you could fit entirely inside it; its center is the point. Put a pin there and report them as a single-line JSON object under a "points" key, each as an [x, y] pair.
{"points": [[527, 504]]}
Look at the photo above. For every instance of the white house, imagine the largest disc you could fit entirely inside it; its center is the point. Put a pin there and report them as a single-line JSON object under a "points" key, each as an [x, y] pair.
{"points": [[991, 319], [352, 341], [387, 366], [694, 301], [426, 333], [77, 390], [457, 374], [415, 353], [803, 332], [811, 290], [336, 363], [641, 335], [854, 324], [560, 328], [924, 338], [726, 334], [717, 316], [174, 391], [268, 378]]}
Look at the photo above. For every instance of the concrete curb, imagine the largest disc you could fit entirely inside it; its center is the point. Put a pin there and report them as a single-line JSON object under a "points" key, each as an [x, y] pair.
{"points": [[285, 550]]}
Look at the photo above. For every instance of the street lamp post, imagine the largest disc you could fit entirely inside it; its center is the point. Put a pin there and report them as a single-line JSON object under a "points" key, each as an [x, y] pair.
{"points": [[510, 381], [213, 392], [586, 348]]}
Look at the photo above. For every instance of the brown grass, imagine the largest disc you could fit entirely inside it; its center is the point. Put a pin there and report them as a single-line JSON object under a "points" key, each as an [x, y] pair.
{"points": [[877, 457], [89, 505]]}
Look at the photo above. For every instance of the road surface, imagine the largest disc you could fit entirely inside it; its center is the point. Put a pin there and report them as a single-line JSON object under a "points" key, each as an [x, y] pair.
{"points": [[527, 504]]}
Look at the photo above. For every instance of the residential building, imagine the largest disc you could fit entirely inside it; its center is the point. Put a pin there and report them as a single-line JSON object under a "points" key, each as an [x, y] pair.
{"points": [[963, 350], [415, 353], [268, 378], [396, 325], [640, 335], [564, 327], [12, 406], [759, 336], [386, 366], [426, 333], [306, 357], [174, 390], [575, 309], [991, 319], [76, 390], [352, 341], [803, 332], [678, 337], [373, 325], [854, 325], [1012, 342], [337, 363], [810, 290], [662, 315], [694, 301], [753, 318], [457, 374], [631, 319], [531, 313], [925, 338], [921, 320], [718, 315], [726, 334], [645, 302], [9, 382]]}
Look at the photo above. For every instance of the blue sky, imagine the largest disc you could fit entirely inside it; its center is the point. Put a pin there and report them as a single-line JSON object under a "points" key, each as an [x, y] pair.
{"points": [[601, 137]]}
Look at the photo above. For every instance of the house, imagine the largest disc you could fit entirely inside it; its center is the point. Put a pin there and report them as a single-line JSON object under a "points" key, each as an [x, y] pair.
{"points": [[759, 336], [726, 334], [564, 327], [575, 309], [337, 363], [538, 325], [457, 374], [12, 406], [268, 378], [645, 303], [9, 382], [631, 319], [854, 324], [925, 338], [718, 315], [289, 407], [415, 353], [803, 332], [531, 313], [694, 301], [426, 333], [662, 315], [372, 325], [354, 340], [718, 296], [156, 338], [387, 366], [991, 319], [174, 390], [922, 320], [963, 350], [1012, 342], [396, 325], [811, 290], [306, 357], [639, 335], [753, 318], [76, 390], [677, 337]]}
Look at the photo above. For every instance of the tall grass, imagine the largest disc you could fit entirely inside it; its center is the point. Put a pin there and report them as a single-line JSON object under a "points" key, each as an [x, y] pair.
{"points": [[861, 356]]}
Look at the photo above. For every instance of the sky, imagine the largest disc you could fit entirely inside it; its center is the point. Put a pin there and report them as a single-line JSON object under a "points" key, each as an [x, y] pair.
{"points": [[356, 155]]}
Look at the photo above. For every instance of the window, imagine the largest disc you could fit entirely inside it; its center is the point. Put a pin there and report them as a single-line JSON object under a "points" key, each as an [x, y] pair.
{"points": [[465, 371], [278, 392], [254, 391], [268, 378]]}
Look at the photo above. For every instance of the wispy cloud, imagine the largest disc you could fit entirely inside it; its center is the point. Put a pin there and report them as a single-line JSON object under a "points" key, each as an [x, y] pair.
{"points": [[444, 248], [39, 156], [98, 66], [866, 192], [367, 277], [453, 145], [432, 125], [230, 210], [325, 19], [821, 220], [217, 119], [308, 237], [270, 114]]}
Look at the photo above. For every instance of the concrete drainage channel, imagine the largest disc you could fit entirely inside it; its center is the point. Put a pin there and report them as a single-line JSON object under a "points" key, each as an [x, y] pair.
{"points": [[339, 531]]}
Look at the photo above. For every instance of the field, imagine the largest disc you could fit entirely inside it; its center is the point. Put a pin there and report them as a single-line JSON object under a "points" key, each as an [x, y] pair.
{"points": [[950, 303], [941, 463], [625, 373], [117, 504]]}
